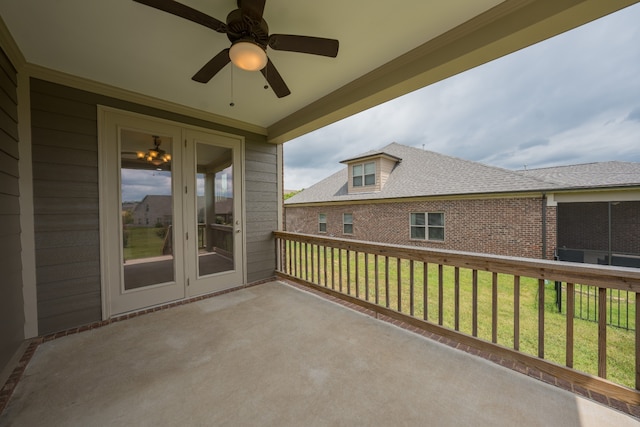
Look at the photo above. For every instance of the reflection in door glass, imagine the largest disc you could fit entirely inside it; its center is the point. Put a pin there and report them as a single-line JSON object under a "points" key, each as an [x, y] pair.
{"points": [[215, 216], [147, 209]]}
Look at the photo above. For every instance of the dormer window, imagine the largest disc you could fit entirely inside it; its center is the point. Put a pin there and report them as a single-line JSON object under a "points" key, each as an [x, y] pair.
{"points": [[368, 173], [364, 174]]}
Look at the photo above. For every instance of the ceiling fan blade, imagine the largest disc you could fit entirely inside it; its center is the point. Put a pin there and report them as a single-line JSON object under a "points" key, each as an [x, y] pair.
{"points": [[252, 8], [275, 80], [212, 67], [186, 12], [304, 44]]}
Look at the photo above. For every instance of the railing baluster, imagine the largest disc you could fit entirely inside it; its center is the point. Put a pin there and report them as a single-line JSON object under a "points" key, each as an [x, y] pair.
{"points": [[516, 312], [541, 318], [571, 311], [296, 255], [333, 270], [292, 257], [366, 275], [456, 297], [340, 269], [348, 272], [474, 303], [377, 280], [425, 290], [602, 332], [326, 283], [411, 290], [440, 294], [494, 308], [318, 265], [357, 268], [399, 284], [637, 332], [313, 270], [386, 280]]}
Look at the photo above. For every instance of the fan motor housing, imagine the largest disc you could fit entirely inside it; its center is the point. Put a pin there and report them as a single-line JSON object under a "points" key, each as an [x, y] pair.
{"points": [[241, 26]]}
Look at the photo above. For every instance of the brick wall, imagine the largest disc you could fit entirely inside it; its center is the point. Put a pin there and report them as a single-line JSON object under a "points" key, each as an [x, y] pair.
{"points": [[510, 226]]}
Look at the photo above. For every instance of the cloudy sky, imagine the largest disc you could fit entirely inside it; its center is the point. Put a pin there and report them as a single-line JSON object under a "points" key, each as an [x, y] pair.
{"points": [[571, 99]]}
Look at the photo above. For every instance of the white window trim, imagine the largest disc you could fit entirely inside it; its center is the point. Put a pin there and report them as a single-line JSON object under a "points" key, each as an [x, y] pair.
{"points": [[426, 227], [345, 223], [363, 175], [321, 222]]}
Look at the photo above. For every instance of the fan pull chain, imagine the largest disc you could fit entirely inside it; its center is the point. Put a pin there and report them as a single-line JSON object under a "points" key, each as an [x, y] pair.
{"points": [[266, 76], [232, 104]]}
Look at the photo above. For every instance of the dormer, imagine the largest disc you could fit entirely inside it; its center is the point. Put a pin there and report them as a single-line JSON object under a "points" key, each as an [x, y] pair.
{"points": [[368, 173]]}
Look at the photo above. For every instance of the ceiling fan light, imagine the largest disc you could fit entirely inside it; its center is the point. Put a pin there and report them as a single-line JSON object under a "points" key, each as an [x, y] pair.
{"points": [[248, 55]]}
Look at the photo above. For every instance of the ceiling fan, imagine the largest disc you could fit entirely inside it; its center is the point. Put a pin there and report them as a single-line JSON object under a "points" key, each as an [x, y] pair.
{"points": [[249, 35]]}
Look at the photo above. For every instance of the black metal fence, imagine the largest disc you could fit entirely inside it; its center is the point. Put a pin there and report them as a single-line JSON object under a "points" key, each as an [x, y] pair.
{"points": [[621, 305]]}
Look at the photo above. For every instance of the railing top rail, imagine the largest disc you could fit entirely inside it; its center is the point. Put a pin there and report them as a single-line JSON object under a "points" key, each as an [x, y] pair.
{"points": [[624, 278]]}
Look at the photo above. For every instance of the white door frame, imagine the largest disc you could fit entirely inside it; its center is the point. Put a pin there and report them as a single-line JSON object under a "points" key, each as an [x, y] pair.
{"points": [[114, 299]]}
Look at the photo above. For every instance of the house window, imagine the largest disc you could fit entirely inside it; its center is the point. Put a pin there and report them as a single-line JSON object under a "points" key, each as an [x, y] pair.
{"points": [[322, 223], [347, 223], [427, 226], [364, 174]]}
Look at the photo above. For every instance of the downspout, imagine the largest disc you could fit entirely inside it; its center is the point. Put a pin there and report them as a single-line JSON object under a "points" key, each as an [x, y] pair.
{"points": [[609, 246], [544, 225]]}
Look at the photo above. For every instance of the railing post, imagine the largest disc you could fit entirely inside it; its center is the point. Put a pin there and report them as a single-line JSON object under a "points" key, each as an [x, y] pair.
{"points": [[278, 242], [602, 332], [571, 308]]}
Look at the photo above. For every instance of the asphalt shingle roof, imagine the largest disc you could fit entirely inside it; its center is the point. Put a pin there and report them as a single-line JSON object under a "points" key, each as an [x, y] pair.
{"points": [[602, 174], [426, 173]]}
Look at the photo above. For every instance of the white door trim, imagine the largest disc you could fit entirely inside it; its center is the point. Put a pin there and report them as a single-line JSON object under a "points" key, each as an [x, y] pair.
{"points": [[109, 195]]}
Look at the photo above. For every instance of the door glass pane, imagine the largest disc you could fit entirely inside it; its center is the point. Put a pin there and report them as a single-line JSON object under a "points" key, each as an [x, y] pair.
{"points": [[215, 216], [147, 209]]}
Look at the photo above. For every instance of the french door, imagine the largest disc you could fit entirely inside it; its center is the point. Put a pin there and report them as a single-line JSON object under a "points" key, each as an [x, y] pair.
{"points": [[171, 211]]}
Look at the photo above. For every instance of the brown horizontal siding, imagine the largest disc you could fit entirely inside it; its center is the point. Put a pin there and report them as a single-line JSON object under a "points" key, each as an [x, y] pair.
{"points": [[11, 300]]}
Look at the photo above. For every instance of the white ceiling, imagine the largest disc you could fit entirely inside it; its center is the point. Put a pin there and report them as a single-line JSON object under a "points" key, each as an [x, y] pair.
{"points": [[131, 46]]}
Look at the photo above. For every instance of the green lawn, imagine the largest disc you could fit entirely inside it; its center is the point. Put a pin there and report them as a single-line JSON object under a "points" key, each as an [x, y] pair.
{"points": [[143, 242], [620, 342]]}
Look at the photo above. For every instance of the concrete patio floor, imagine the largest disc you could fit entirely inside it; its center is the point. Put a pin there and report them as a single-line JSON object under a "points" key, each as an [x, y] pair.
{"points": [[273, 355]]}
